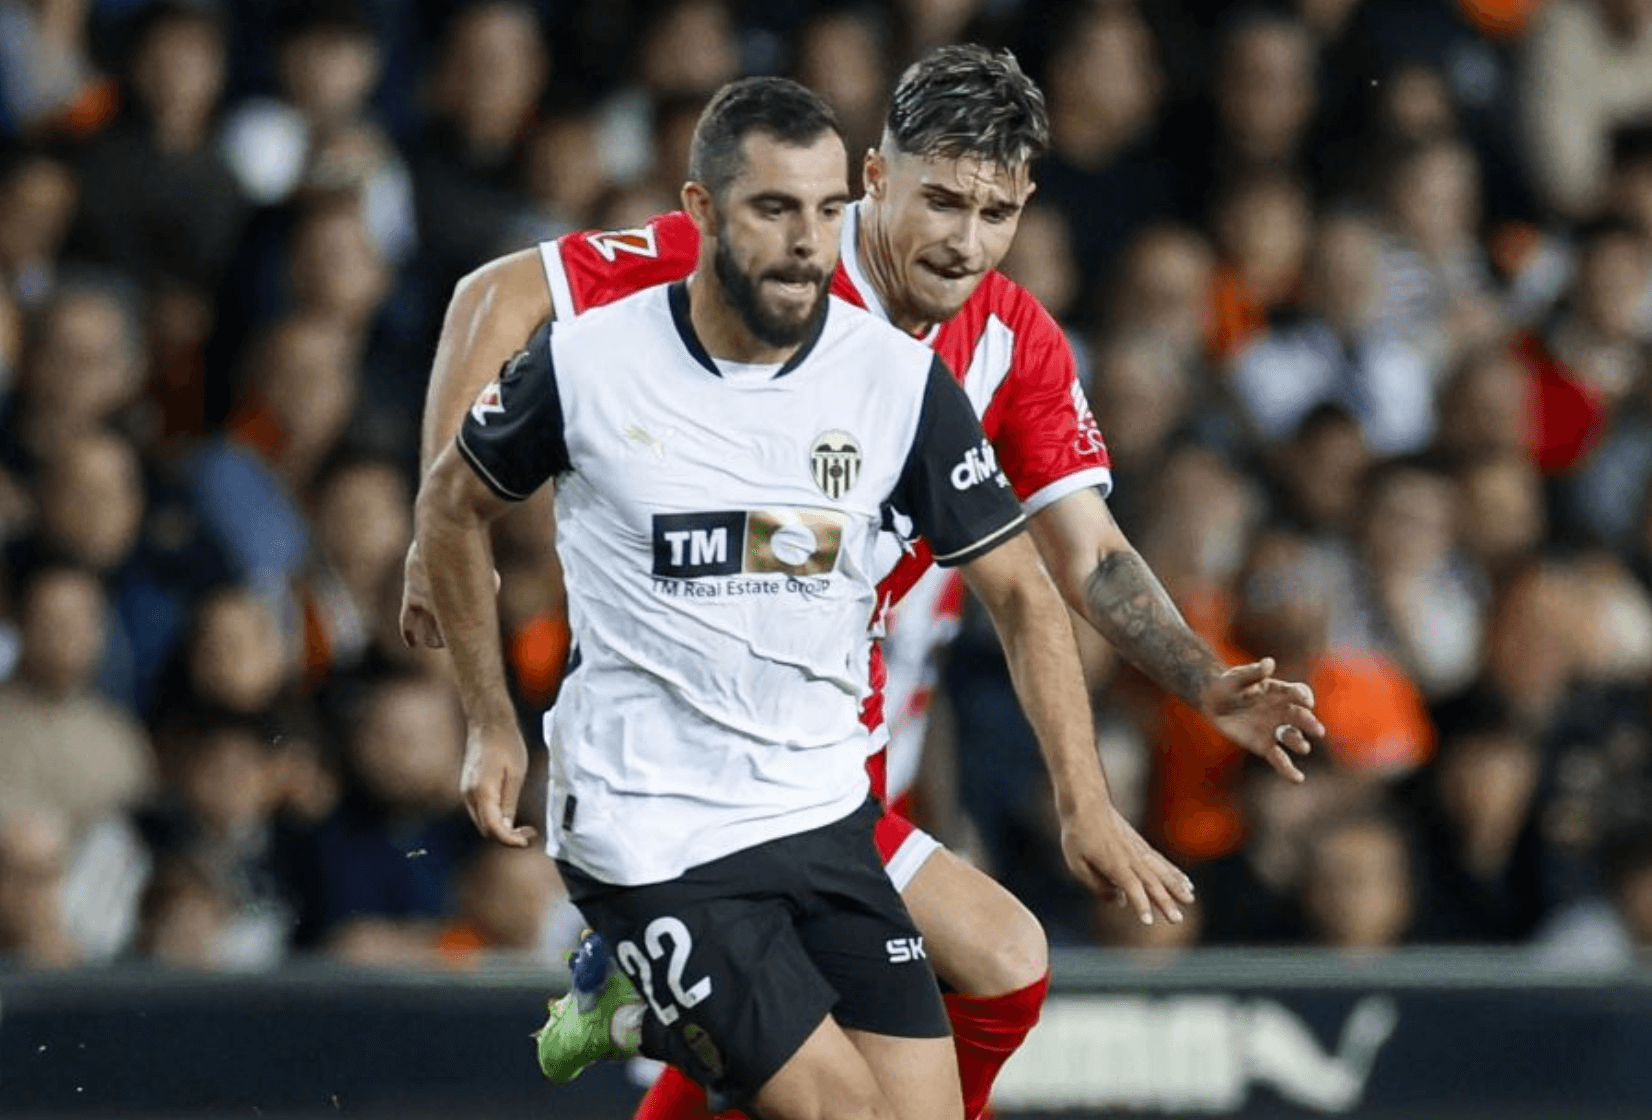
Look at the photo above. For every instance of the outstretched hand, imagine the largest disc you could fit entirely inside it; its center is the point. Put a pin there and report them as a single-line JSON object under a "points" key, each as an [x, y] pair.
{"points": [[1266, 716], [1110, 857]]}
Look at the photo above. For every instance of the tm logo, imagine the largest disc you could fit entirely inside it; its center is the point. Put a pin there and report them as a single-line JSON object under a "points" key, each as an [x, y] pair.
{"points": [[902, 950], [980, 464], [793, 542], [687, 545]]}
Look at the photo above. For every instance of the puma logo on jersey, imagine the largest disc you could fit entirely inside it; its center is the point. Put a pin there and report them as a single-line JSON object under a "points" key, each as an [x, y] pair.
{"points": [[639, 435], [980, 464], [903, 950]]}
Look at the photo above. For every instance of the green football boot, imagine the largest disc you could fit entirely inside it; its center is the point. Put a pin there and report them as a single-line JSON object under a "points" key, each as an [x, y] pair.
{"points": [[600, 1017]]}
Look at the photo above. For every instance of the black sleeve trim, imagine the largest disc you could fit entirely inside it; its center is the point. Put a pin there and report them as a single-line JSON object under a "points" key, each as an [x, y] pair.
{"points": [[483, 473], [513, 436], [985, 545], [950, 486]]}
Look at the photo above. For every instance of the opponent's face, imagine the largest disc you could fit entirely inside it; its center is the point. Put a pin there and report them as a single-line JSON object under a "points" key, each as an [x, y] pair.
{"points": [[776, 229], [944, 224]]}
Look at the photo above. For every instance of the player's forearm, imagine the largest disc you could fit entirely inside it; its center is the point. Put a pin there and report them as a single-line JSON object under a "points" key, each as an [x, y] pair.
{"points": [[453, 536], [1125, 601], [491, 315], [1043, 661]]}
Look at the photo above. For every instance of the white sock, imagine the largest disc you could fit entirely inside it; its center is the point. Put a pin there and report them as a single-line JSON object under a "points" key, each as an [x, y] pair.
{"points": [[625, 1028]]}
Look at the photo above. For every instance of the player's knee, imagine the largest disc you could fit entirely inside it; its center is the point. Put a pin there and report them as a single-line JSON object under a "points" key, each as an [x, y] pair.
{"points": [[861, 1105], [1012, 953], [1021, 953], [829, 1097]]}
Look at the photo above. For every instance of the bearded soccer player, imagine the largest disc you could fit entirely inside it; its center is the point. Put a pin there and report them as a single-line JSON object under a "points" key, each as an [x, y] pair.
{"points": [[944, 192]]}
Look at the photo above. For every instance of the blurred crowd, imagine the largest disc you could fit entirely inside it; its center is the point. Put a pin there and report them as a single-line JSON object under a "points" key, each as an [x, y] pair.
{"points": [[1362, 293]]}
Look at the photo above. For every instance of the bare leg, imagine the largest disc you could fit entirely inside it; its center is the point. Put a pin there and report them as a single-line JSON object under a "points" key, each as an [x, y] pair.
{"points": [[980, 939], [841, 1075]]}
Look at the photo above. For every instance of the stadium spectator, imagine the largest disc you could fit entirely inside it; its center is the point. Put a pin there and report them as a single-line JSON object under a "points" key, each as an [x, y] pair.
{"points": [[1250, 895], [90, 501], [1628, 875], [1162, 286], [84, 369], [843, 56], [1588, 69], [1482, 867], [1429, 600], [563, 176], [1319, 478], [1206, 512], [1104, 169], [1262, 224], [68, 751], [375, 881], [1148, 395], [35, 849], [236, 660], [1436, 286], [687, 49], [49, 84], [363, 524], [1264, 96], [157, 200], [510, 903], [1340, 352], [1358, 891], [1613, 928], [183, 918], [1501, 516], [1485, 407], [1587, 357], [215, 898], [320, 131], [492, 69], [38, 196], [1042, 260]]}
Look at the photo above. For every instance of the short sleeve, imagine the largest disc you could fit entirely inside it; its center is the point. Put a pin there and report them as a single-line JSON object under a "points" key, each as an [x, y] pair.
{"points": [[951, 488], [1047, 438], [592, 268], [513, 435]]}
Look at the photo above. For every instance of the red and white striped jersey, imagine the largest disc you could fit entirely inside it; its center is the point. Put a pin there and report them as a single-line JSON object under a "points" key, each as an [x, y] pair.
{"points": [[1010, 355]]}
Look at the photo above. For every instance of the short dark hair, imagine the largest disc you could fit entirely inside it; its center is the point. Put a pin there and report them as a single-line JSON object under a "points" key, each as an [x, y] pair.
{"points": [[969, 101], [162, 14], [777, 107], [1595, 232], [297, 18], [1631, 145]]}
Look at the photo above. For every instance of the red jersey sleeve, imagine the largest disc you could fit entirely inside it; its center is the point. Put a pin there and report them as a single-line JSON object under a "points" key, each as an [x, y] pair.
{"points": [[1046, 437], [594, 267]]}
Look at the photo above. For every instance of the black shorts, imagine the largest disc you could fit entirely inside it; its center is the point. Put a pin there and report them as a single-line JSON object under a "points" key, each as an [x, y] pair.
{"points": [[741, 958]]}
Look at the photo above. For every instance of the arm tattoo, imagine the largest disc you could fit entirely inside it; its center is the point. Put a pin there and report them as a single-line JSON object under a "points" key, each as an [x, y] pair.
{"points": [[1131, 608]]}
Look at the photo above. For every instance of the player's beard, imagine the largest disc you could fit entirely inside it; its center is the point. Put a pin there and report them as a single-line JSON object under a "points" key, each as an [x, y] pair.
{"points": [[744, 293]]}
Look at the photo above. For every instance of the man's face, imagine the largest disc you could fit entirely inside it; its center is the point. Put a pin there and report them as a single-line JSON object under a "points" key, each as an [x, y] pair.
{"points": [[948, 222], [777, 231]]}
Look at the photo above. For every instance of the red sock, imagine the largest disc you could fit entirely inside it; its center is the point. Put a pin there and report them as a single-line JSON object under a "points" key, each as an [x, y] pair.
{"points": [[986, 1030], [676, 1096]]}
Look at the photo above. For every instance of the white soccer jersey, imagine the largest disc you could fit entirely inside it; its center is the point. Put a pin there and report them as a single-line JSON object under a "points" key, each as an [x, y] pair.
{"points": [[718, 542]]}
